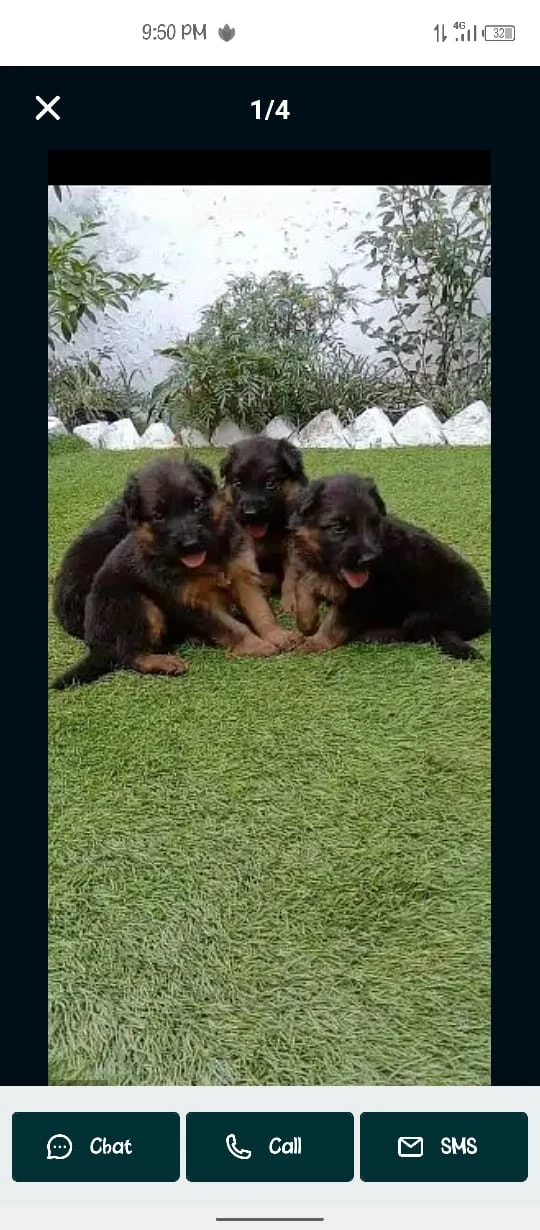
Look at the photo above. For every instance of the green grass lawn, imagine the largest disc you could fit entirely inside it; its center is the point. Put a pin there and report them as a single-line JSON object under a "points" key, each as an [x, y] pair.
{"points": [[275, 871]]}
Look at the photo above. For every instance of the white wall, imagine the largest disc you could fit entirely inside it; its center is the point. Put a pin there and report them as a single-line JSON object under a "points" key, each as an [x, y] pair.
{"points": [[194, 238]]}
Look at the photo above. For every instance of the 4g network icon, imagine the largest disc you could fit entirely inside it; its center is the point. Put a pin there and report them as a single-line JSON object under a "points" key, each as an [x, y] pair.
{"points": [[462, 33]]}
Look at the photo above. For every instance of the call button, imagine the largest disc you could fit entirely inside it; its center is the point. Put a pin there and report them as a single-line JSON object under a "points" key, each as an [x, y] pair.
{"points": [[269, 1147]]}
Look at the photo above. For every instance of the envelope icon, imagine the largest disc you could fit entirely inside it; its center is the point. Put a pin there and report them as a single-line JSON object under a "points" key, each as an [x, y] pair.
{"points": [[410, 1146]]}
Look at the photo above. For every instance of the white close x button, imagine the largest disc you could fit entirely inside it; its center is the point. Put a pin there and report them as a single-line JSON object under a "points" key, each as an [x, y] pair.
{"points": [[47, 107]]}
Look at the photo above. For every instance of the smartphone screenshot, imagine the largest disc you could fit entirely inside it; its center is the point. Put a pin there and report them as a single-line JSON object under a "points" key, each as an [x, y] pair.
{"points": [[270, 904]]}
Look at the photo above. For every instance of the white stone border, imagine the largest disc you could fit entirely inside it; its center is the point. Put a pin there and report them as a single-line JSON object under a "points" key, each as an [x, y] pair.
{"points": [[371, 429]]}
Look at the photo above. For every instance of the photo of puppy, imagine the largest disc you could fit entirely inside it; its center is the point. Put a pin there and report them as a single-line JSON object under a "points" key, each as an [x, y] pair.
{"points": [[263, 480], [268, 865], [182, 569], [385, 580]]}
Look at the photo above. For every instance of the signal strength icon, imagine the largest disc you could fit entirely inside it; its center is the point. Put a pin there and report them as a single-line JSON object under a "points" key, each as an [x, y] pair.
{"points": [[467, 34]]}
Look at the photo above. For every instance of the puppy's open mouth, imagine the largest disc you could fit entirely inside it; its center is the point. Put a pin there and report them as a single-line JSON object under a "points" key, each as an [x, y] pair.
{"points": [[256, 531], [355, 579], [194, 560]]}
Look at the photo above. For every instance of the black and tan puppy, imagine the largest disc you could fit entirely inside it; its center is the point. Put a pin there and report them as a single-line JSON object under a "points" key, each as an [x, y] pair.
{"points": [[81, 562], [263, 480], [183, 569], [385, 580]]}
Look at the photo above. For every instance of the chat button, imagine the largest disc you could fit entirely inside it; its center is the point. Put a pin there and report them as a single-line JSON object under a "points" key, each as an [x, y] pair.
{"points": [[80, 1147]]}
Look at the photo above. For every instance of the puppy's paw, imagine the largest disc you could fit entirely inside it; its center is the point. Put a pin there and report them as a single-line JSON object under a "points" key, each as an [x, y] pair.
{"points": [[160, 664], [455, 647], [176, 667], [284, 639], [315, 644], [253, 647], [464, 652], [473, 655]]}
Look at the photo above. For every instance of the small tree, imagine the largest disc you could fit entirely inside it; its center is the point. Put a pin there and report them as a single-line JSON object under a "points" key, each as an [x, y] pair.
{"points": [[79, 286], [267, 346], [432, 253], [279, 307]]}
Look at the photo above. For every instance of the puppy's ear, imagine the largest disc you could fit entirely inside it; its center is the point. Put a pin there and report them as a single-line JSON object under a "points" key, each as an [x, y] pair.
{"points": [[225, 467], [374, 493], [309, 499], [292, 460], [205, 476], [132, 500]]}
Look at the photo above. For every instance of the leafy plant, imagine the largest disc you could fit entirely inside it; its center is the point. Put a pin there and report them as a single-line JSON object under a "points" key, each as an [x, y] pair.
{"points": [[278, 307], [266, 347], [432, 254], [80, 390], [79, 286]]}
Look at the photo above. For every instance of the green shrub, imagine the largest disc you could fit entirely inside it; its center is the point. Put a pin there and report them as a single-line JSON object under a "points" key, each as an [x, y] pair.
{"points": [[266, 346], [431, 252], [271, 346], [80, 390]]}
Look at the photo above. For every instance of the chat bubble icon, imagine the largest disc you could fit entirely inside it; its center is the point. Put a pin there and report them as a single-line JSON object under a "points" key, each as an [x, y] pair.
{"points": [[59, 1147]]}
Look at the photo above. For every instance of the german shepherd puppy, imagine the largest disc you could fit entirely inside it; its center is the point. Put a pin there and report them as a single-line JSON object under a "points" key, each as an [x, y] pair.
{"points": [[81, 562], [385, 580], [263, 480], [183, 569]]}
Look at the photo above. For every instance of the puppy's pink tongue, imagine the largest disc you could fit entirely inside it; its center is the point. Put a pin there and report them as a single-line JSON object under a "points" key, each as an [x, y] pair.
{"points": [[195, 560], [257, 531], [355, 579]]}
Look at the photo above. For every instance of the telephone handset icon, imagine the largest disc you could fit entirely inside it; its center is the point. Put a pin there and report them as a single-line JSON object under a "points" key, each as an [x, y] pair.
{"points": [[243, 1155]]}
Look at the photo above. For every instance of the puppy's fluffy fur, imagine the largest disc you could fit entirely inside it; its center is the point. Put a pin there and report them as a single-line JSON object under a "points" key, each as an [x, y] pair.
{"points": [[183, 568], [385, 580], [81, 562], [263, 480]]}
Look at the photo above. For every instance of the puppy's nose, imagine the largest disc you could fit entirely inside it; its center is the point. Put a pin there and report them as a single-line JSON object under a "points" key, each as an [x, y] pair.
{"points": [[188, 544], [251, 512]]}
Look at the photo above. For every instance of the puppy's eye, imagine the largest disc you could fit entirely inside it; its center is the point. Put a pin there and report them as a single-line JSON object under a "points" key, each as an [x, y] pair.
{"points": [[236, 485], [341, 527], [159, 515], [270, 484], [198, 501]]}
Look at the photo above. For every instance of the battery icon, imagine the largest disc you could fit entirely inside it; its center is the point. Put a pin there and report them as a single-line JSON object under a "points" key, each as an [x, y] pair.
{"points": [[499, 34]]}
